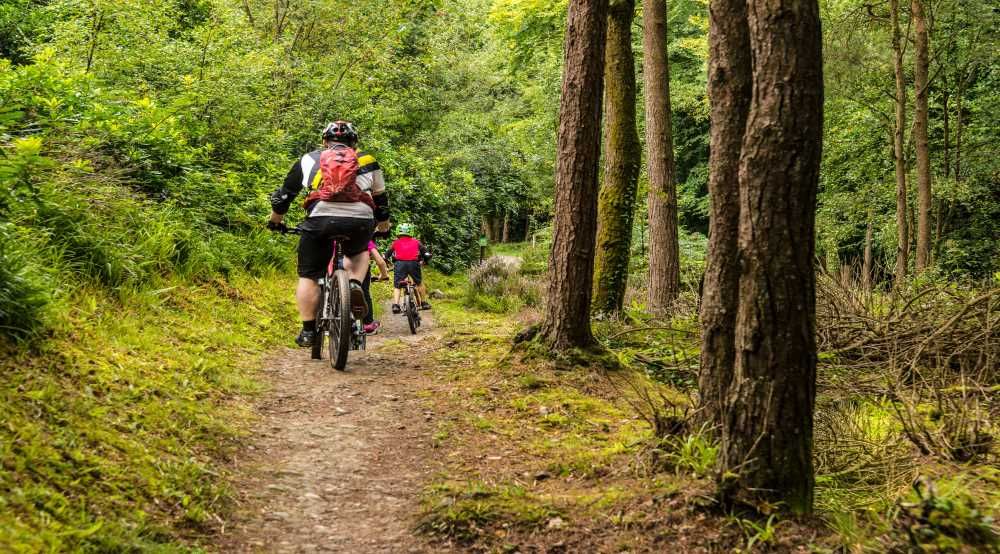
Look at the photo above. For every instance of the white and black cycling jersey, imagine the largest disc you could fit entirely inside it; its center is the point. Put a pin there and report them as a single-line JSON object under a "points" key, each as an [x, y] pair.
{"points": [[304, 174]]}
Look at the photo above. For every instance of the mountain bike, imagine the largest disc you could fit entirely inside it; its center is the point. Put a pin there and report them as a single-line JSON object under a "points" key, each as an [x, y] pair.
{"points": [[410, 305], [337, 321]]}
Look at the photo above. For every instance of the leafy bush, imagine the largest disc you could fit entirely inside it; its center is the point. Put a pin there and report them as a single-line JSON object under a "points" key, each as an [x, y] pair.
{"points": [[497, 285], [933, 522], [24, 295]]}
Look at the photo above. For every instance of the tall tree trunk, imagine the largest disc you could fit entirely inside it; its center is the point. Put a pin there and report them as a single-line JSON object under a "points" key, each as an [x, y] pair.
{"points": [[96, 25], [622, 156], [249, 14], [578, 148], [866, 267], [767, 435], [921, 85], [902, 232], [729, 88], [947, 134], [506, 227], [959, 125], [664, 249]]}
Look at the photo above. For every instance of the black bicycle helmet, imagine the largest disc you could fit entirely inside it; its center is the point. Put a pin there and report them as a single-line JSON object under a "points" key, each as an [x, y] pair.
{"points": [[341, 131]]}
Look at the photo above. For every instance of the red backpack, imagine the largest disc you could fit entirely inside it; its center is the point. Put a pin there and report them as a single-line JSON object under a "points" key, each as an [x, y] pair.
{"points": [[338, 176]]}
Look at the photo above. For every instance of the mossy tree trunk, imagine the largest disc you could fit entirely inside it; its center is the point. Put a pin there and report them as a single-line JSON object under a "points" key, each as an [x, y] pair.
{"points": [[664, 248], [578, 148], [622, 156], [729, 87], [768, 428]]}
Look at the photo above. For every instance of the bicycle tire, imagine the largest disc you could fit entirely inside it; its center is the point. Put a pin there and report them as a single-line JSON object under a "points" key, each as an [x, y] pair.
{"points": [[411, 314], [317, 346], [340, 322]]}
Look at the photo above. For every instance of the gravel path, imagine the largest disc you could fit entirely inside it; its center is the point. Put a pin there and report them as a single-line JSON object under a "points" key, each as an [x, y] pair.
{"points": [[339, 458]]}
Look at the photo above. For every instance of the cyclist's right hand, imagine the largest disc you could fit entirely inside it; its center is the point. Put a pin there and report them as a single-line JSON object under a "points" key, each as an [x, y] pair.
{"points": [[278, 227]]}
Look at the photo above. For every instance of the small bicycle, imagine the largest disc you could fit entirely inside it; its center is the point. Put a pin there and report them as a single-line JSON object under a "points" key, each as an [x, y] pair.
{"points": [[337, 321], [409, 304]]}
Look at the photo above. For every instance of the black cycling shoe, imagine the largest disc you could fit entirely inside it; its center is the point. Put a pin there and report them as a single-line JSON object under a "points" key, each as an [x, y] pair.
{"points": [[305, 338], [425, 305], [358, 305], [396, 309]]}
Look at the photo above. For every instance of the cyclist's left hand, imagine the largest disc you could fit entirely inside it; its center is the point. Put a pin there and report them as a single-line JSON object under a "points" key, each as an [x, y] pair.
{"points": [[277, 226]]}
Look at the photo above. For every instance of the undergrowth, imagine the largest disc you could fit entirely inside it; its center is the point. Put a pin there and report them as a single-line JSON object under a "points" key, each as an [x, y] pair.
{"points": [[113, 429], [467, 511], [573, 431], [498, 285]]}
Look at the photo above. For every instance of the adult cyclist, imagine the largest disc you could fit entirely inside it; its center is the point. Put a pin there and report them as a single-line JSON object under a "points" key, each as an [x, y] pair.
{"points": [[354, 212]]}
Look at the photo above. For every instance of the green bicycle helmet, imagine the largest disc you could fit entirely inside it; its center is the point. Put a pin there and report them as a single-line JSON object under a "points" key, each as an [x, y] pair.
{"points": [[405, 229]]}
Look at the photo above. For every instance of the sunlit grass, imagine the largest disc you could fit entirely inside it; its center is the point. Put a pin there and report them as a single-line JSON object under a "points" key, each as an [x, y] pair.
{"points": [[113, 429]]}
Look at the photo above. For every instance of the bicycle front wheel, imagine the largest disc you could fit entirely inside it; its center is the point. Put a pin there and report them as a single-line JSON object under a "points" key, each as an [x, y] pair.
{"points": [[340, 322], [317, 346]]}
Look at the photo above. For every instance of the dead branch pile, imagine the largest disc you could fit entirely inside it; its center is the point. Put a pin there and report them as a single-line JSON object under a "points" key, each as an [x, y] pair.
{"points": [[932, 351], [936, 327]]}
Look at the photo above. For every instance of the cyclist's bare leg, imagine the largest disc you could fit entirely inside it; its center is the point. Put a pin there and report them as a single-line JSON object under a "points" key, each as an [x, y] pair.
{"points": [[396, 294], [357, 265], [307, 298], [421, 293]]}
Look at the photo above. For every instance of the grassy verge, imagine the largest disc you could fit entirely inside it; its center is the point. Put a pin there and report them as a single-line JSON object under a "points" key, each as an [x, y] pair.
{"points": [[114, 429], [535, 455], [540, 454]]}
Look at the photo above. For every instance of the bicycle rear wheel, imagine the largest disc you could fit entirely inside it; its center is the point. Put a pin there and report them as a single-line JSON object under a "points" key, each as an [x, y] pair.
{"points": [[317, 346], [411, 314], [340, 322]]}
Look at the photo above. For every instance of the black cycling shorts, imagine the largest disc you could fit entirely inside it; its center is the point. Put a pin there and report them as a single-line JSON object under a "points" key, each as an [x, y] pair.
{"points": [[316, 241], [401, 269]]}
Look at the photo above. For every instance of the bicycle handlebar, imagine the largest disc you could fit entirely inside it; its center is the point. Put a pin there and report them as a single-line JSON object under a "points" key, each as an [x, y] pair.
{"points": [[283, 229]]}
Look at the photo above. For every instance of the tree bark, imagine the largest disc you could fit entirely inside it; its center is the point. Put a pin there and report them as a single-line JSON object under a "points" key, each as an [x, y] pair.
{"points": [[249, 14], [729, 89], [959, 125], [947, 134], [664, 249], [767, 435], [578, 147], [622, 156], [97, 24], [866, 267], [506, 228], [902, 231], [921, 85]]}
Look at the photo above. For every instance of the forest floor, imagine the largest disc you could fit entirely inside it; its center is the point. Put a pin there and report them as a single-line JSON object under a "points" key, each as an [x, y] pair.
{"points": [[177, 419], [447, 441], [455, 441], [338, 459]]}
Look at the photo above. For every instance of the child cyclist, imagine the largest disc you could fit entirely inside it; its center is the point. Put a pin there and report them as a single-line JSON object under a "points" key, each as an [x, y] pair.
{"points": [[371, 326], [409, 255]]}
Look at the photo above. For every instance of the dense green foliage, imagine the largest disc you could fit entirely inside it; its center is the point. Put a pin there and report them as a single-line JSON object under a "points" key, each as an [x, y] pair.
{"points": [[857, 174], [174, 120], [141, 139]]}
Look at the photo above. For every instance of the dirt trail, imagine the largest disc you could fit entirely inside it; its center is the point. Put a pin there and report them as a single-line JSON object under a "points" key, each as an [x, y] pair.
{"points": [[339, 458]]}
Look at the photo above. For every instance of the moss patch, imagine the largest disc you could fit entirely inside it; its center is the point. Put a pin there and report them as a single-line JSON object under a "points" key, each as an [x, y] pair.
{"points": [[113, 433]]}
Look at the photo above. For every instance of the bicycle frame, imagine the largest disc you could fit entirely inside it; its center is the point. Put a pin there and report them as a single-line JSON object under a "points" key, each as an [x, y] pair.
{"points": [[328, 325]]}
